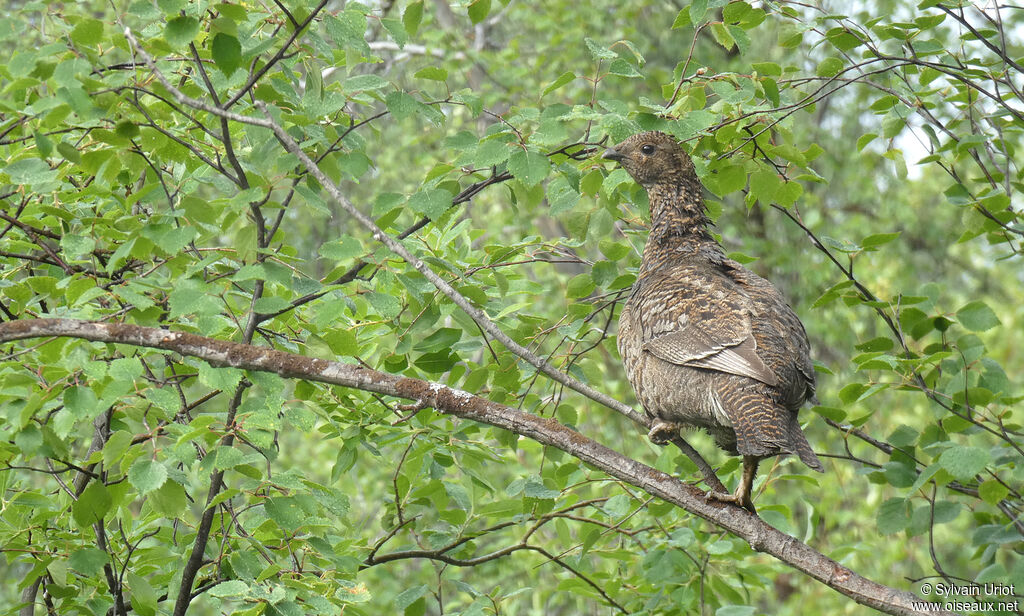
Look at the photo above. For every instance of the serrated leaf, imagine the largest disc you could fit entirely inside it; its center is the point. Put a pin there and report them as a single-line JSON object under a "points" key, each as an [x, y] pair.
{"points": [[878, 239], [169, 500], [431, 202], [697, 10], [92, 504], [348, 29], [478, 10], [386, 306], [230, 588], [893, 516], [226, 52], [361, 83], [88, 560], [528, 166], [341, 249], [964, 462], [682, 19], [147, 475], [180, 31], [412, 17], [564, 78], [406, 598], [397, 30], [490, 153], [432, 72], [87, 32], [991, 491], [829, 67], [579, 286], [977, 316], [599, 52]]}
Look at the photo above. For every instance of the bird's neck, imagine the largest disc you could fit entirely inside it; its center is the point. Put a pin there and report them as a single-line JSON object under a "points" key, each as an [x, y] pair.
{"points": [[679, 227]]}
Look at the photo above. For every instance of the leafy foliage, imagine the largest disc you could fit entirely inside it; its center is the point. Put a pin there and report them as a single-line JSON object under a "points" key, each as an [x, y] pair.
{"points": [[882, 148]]}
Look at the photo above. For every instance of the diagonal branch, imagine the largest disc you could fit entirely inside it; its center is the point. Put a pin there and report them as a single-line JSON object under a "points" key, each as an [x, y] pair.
{"points": [[399, 249], [761, 536]]}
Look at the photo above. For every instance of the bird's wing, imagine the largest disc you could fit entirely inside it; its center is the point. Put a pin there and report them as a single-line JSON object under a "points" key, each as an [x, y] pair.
{"points": [[694, 346], [693, 316]]}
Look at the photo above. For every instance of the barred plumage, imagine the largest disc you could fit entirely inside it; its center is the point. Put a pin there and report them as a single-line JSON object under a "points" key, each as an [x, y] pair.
{"points": [[705, 341]]}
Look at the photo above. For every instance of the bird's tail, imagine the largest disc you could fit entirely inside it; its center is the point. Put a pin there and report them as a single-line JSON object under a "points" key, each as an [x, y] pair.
{"points": [[763, 427], [798, 444]]}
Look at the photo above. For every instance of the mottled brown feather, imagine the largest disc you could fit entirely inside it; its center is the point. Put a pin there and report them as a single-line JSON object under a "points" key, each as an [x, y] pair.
{"points": [[705, 341]]}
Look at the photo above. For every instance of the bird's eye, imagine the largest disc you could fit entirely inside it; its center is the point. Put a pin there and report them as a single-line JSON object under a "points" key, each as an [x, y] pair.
{"points": [[647, 149]]}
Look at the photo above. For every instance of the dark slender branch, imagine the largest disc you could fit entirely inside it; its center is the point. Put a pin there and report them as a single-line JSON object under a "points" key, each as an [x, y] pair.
{"points": [[256, 76]]}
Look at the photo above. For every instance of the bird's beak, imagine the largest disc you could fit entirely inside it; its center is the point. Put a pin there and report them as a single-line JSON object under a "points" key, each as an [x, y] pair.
{"points": [[612, 154]]}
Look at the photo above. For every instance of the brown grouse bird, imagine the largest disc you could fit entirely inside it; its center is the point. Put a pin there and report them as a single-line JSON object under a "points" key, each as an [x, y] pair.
{"points": [[706, 342]]}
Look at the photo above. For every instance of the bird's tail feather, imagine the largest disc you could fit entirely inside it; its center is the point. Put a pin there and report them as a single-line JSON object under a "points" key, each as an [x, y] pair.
{"points": [[799, 445], [763, 427]]}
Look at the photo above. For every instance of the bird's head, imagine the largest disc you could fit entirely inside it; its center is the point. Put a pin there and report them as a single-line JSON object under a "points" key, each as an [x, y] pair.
{"points": [[652, 158]]}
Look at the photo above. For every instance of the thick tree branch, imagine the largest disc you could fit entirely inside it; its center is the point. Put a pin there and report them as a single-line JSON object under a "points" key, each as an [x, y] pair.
{"points": [[750, 528]]}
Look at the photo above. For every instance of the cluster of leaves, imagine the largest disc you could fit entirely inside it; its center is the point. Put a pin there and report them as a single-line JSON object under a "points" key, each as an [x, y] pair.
{"points": [[137, 480]]}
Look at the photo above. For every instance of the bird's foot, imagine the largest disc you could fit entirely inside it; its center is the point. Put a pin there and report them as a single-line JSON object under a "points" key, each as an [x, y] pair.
{"points": [[742, 500], [663, 431]]}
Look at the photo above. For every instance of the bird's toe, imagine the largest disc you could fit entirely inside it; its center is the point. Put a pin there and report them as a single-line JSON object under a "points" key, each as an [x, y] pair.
{"points": [[662, 432]]}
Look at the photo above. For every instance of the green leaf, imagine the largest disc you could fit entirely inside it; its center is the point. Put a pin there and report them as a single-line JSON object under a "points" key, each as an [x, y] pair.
{"points": [[180, 31], [564, 78], [490, 153], [432, 72], [386, 306], [397, 30], [992, 491], [893, 516], [29, 171], [478, 10], [431, 202], [230, 588], [443, 338], [579, 286], [735, 610], [697, 10], [682, 19], [599, 52], [286, 511], [227, 53], [342, 249], [977, 316], [964, 462], [406, 598], [224, 379], [88, 560], [535, 488], [147, 475], [361, 83], [412, 17], [730, 179], [878, 239], [348, 29], [169, 500], [829, 67], [528, 166], [92, 505], [87, 32], [561, 195]]}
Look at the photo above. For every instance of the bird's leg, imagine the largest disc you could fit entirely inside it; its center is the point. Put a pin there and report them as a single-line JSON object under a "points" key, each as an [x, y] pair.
{"points": [[663, 431], [741, 496]]}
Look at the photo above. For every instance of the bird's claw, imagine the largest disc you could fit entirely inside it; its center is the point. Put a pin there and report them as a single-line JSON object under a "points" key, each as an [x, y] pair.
{"points": [[741, 500], [662, 432]]}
